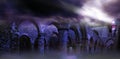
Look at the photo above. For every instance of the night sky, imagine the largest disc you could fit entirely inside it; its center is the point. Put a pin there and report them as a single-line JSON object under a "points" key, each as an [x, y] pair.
{"points": [[46, 7], [54, 7]]}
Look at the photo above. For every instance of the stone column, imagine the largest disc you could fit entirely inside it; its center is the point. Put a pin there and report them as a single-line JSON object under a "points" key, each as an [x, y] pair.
{"points": [[41, 43], [84, 37], [63, 35], [118, 35], [14, 38]]}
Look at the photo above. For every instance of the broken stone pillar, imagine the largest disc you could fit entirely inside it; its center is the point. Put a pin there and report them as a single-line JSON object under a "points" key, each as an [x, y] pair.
{"points": [[63, 35], [39, 44], [118, 35], [84, 37]]}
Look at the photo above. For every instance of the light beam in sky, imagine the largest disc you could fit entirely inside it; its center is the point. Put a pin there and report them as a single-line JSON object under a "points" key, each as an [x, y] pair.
{"points": [[92, 9]]}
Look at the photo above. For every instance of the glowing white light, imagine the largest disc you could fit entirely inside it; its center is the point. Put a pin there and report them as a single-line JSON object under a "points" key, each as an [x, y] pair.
{"points": [[95, 13], [113, 22], [113, 25], [93, 9]]}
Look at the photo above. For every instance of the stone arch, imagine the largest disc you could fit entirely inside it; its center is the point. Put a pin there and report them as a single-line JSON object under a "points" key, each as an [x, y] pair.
{"points": [[21, 20], [24, 44], [54, 42], [74, 42], [53, 37], [31, 21], [73, 28]]}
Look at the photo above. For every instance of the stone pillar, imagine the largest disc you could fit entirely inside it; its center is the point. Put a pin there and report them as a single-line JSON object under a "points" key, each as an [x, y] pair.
{"points": [[84, 37], [118, 35], [63, 35], [14, 38], [41, 43]]}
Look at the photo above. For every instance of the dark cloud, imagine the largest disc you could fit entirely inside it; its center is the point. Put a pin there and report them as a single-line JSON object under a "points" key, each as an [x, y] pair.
{"points": [[40, 7], [47, 7], [78, 3], [113, 8]]}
